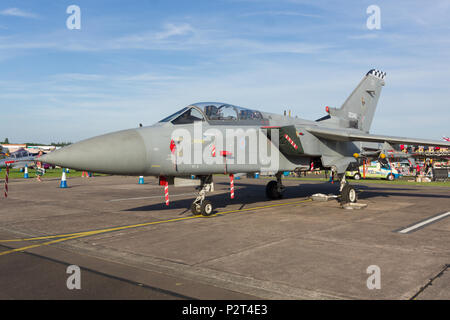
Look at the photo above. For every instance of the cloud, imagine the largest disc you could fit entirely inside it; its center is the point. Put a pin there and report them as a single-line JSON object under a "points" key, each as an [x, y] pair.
{"points": [[139, 78], [364, 36], [280, 13], [174, 30], [16, 12], [184, 37], [171, 37]]}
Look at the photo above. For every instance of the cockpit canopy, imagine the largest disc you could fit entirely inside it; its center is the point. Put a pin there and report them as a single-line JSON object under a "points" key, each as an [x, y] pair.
{"points": [[217, 113], [20, 153]]}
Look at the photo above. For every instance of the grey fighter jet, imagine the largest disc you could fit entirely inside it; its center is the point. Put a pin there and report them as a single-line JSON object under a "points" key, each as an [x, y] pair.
{"points": [[208, 138], [18, 159]]}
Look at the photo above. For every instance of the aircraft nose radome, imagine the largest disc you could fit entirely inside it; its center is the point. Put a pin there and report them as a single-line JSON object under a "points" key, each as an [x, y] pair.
{"points": [[121, 152]]}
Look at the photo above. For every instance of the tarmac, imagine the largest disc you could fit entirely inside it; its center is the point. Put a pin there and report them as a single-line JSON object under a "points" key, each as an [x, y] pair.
{"points": [[130, 245]]}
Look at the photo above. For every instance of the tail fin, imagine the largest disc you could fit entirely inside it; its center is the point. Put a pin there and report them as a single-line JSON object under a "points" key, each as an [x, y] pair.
{"points": [[359, 108]]}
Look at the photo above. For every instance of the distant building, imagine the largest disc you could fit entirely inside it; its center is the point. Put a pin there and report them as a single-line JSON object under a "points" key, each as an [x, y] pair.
{"points": [[8, 148], [35, 149]]}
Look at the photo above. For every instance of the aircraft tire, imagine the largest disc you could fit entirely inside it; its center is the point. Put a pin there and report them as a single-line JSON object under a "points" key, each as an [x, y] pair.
{"points": [[195, 209], [206, 208], [272, 190], [348, 194]]}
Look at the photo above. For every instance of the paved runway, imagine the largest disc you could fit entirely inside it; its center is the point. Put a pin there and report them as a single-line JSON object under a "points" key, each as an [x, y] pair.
{"points": [[129, 245]]}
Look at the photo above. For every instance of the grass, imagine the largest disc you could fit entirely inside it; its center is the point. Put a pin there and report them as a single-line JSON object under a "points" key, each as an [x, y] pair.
{"points": [[50, 173], [402, 181], [56, 173]]}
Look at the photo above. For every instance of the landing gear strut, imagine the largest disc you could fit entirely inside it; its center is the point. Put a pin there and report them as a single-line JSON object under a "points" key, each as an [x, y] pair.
{"points": [[348, 193], [200, 204], [275, 189]]}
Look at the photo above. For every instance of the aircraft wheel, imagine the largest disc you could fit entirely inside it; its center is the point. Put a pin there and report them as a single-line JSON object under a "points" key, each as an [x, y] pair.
{"points": [[195, 208], [390, 177], [357, 176], [206, 208], [272, 190], [348, 194]]}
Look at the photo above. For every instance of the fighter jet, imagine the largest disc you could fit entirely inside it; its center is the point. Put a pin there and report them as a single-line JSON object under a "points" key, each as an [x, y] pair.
{"points": [[18, 159], [210, 138]]}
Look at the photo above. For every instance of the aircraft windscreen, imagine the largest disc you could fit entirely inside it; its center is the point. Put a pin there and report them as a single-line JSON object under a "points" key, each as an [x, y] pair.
{"points": [[167, 119], [190, 116]]}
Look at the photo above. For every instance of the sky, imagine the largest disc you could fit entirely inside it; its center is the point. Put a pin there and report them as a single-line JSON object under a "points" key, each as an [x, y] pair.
{"points": [[136, 62]]}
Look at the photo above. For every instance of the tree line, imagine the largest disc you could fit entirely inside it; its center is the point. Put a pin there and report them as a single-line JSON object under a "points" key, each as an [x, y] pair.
{"points": [[56, 144]]}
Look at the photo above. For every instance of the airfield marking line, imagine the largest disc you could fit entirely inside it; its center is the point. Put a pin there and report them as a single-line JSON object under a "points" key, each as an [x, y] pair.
{"points": [[43, 237], [93, 232], [424, 223], [150, 197], [39, 245], [262, 207], [71, 236], [153, 197]]}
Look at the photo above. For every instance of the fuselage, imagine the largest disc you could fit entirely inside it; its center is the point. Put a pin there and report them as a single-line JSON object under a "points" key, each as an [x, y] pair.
{"points": [[203, 138]]}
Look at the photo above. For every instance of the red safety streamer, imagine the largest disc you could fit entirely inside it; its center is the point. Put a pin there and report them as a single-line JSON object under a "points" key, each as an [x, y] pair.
{"points": [[6, 181], [166, 192], [231, 186]]}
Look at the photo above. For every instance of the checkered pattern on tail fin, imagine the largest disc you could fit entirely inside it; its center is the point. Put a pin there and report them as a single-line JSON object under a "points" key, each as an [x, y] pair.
{"points": [[377, 73]]}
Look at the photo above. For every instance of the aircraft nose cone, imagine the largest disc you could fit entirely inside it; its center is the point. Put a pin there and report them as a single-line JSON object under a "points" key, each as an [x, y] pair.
{"points": [[121, 152]]}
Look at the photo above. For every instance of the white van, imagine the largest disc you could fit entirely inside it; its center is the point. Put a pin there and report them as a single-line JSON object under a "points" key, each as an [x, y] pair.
{"points": [[375, 170]]}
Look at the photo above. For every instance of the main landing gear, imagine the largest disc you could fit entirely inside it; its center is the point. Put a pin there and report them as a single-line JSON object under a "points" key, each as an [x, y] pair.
{"points": [[275, 189], [200, 204], [348, 193]]}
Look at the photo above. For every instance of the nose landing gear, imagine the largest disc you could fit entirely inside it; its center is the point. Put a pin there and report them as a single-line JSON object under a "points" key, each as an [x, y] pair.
{"points": [[200, 204]]}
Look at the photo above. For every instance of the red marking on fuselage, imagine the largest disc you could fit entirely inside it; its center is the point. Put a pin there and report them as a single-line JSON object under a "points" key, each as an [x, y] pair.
{"points": [[291, 141]]}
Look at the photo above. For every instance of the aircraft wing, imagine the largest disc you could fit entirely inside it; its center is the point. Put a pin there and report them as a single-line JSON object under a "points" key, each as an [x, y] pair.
{"points": [[356, 135]]}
